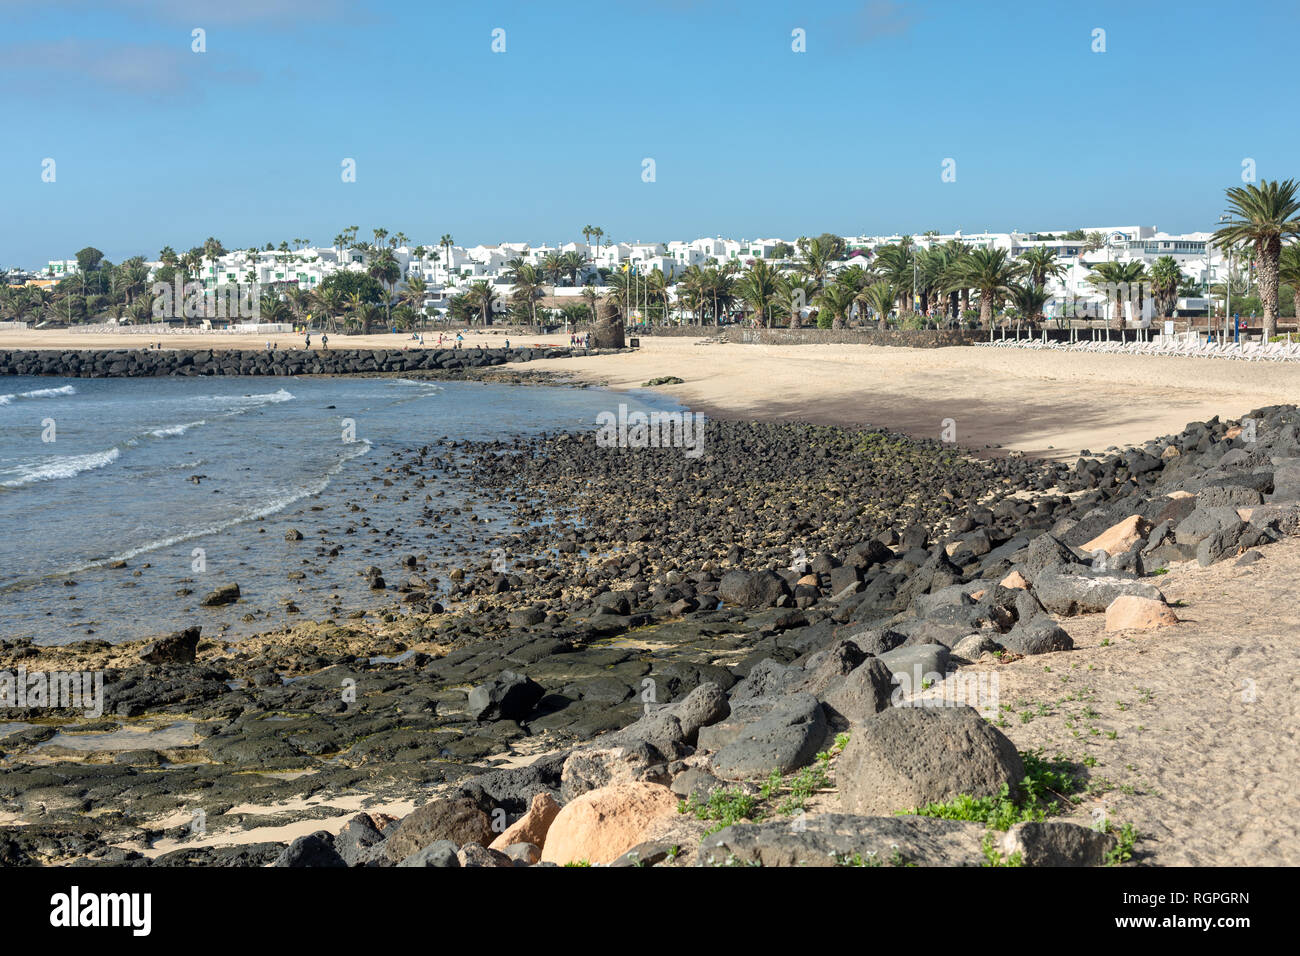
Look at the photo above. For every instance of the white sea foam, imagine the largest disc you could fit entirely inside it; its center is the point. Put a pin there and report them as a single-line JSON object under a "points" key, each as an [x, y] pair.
{"points": [[63, 466], [265, 398], [38, 393], [175, 430]]}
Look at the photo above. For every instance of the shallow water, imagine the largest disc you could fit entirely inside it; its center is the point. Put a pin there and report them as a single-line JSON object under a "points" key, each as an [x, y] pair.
{"points": [[95, 471]]}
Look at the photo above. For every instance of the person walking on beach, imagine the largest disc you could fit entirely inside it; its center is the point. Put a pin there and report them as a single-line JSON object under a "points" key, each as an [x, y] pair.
{"points": [[324, 341], [307, 344], [459, 340]]}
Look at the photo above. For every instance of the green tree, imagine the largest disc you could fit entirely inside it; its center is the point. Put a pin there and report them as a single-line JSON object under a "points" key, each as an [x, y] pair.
{"points": [[988, 271], [1028, 298], [757, 287], [880, 298], [527, 290], [1166, 277], [1040, 264], [837, 299], [1262, 216], [359, 283], [1288, 271], [1117, 279]]}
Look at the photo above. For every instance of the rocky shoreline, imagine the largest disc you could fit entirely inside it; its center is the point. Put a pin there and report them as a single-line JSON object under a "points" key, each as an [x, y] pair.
{"points": [[695, 655], [150, 363]]}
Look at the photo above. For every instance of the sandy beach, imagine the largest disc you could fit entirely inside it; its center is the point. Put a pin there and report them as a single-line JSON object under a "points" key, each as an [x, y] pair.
{"points": [[1051, 405], [1159, 724], [1048, 404]]}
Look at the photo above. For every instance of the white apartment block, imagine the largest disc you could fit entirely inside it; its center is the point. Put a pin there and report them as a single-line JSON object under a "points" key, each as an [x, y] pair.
{"points": [[449, 270]]}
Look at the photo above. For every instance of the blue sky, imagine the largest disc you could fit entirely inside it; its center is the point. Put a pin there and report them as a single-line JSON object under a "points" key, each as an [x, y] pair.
{"points": [[155, 144]]}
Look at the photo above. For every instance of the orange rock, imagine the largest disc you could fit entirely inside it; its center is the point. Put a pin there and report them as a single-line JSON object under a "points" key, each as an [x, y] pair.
{"points": [[1179, 494], [1130, 612], [602, 825], [809, 579], [977, 595], [1232, 432], [1015, 580], [1120, 537], [532, 826]]}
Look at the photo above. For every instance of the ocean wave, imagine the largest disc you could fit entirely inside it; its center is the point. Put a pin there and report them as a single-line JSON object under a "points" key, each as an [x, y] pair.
{"points": [[433, 386], [265, 398], [65, 466], [173, 431], [38, 393]]}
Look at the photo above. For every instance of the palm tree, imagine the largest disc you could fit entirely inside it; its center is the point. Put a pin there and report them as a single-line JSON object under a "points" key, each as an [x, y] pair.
{"points": [[1288, 271], [758, 286], [1118, 278], [513, 265], [369, 312], [816, 259], [552, 267], [361, 311], [897, 265], [592, 298], [446, 242], [794, 294], [1094, 240], [1264, 215], [837, 299], [192, 263], [719, 289], [657, 290], [942, 263], [329, 302], [1165, 279], [988, 271], [880, 298], [621, 294], [690, 292], [572, 263], [384, 268], [1040, 264], [1029, 299], [855, 277], [527, 289], [273, 308], [414, 295], [483, 299]]}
